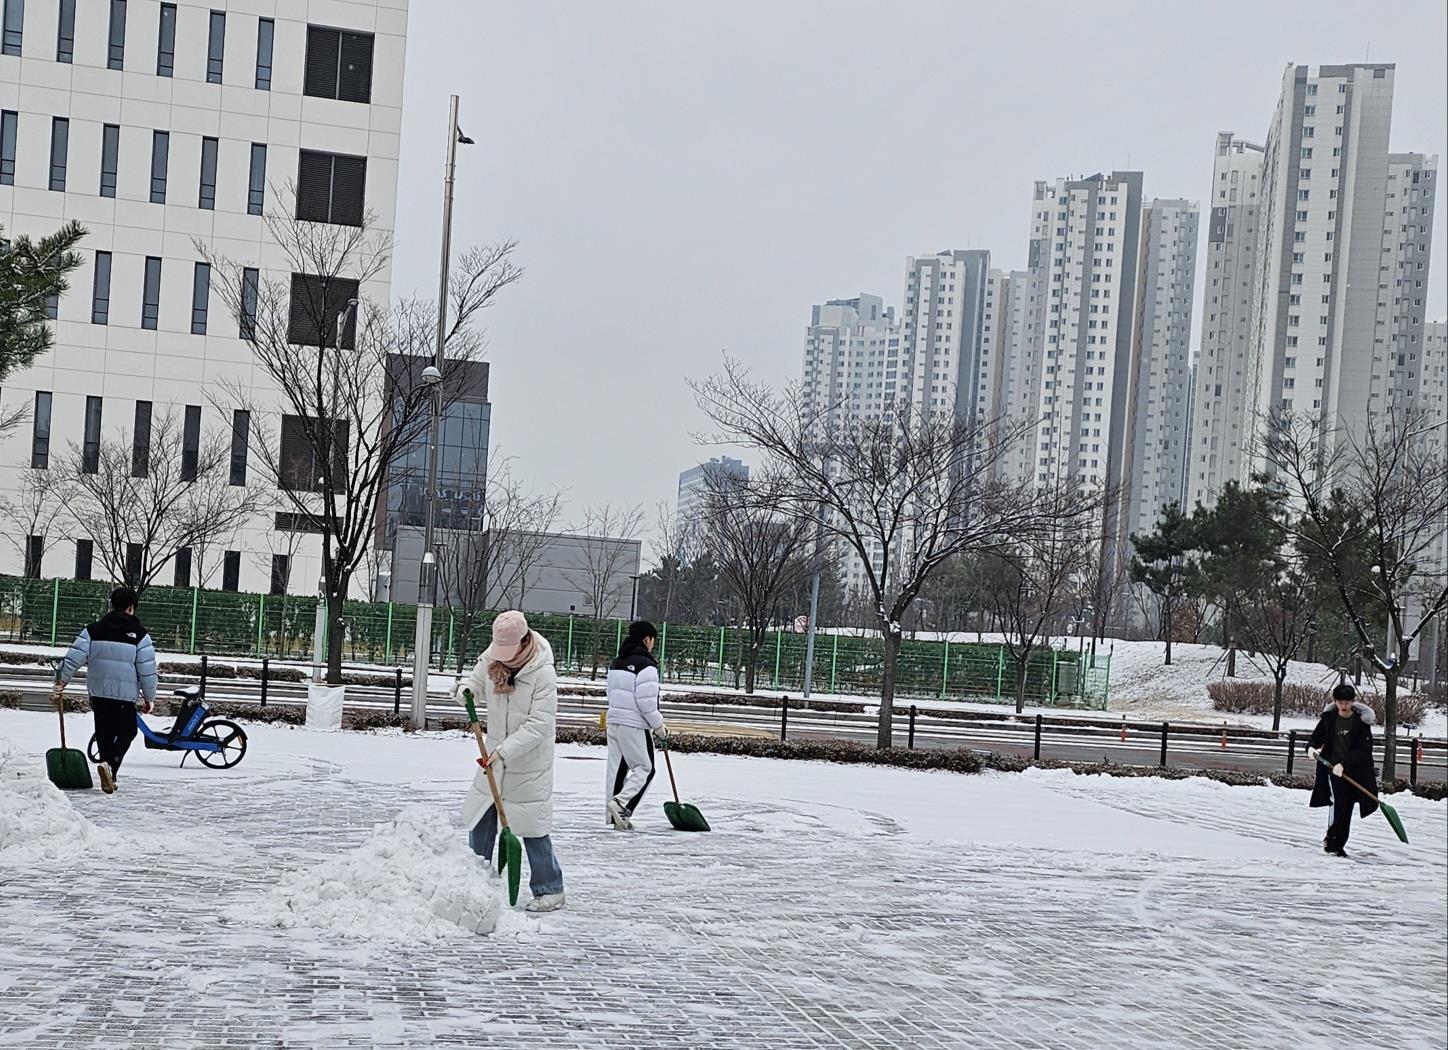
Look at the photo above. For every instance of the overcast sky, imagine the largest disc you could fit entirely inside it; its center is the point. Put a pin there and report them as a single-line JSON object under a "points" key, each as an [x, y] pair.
{"points": [[688, 178]]}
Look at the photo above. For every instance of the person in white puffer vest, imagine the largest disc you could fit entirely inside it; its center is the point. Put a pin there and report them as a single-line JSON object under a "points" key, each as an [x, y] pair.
{"points": [[634, 723]]}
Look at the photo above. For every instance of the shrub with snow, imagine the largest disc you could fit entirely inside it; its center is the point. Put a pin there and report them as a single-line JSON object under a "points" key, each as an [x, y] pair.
{"points": [[414, 879]]}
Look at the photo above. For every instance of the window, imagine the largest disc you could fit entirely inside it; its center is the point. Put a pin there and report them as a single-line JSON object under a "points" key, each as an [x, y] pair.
{"points": [[316, 304], [84, 555], [240, 436], [339, 65], [265, 31], [101, 292], [330, 187], [281, 573], [8, 126], [250, 283], [65, 32], [183, 567], [52, 306], [216, 47], [160, 159], [110, 158], [59, 147], [206, 197], [14, 25], [34, 545], [141, 441], [151, 294], [40, 432], [116, 48], [90, 450], [190, 442], [200, 297], [166, 42], [256, 187], [231, 571], [297, 470], [135, 560]]}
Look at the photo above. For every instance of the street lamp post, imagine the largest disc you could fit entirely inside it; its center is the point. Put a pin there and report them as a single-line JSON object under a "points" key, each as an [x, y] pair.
{"points": [[633, 605], [432, 377]]}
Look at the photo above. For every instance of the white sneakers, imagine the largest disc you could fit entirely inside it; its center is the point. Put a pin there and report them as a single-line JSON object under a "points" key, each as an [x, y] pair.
{"points": [[546, 903], [618, 816], [108, 780]]}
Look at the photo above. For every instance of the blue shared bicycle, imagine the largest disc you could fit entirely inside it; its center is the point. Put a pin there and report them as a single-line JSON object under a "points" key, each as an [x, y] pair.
{"points": [[218, 742]]}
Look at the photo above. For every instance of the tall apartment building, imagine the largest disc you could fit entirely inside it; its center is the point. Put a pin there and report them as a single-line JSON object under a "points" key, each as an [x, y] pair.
{"points": [[1084, 260], [152, 124], [1224, 400], [1336, 260], [942, 332], [1158, 417], [851, 357], [694, 486]]}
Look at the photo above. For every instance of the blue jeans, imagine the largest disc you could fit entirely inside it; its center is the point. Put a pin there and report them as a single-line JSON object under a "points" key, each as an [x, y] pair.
{"points": [[544, 874]]}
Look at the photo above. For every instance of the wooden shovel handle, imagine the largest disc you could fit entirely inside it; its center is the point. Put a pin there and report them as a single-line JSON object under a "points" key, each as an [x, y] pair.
{"points": [[488, 769], [669, 765], [1350, 780]]}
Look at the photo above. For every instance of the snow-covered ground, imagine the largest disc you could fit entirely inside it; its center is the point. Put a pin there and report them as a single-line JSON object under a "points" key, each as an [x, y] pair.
{"points": [[319, 895]]}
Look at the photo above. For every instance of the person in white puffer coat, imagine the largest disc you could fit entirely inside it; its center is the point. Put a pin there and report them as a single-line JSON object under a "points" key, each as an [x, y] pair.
{"points": [[634, 723], [515, 677]]}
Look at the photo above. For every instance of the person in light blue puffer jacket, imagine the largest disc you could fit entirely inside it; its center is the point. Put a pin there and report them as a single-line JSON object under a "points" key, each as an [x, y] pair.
{"points": [[120, 664]]}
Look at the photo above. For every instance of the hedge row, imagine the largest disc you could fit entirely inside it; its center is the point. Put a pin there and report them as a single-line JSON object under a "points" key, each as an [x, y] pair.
{"points": [[1308, 701]]}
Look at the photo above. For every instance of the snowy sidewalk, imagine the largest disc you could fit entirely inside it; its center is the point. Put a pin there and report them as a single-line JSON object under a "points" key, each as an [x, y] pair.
{"points": [[833, 906]]}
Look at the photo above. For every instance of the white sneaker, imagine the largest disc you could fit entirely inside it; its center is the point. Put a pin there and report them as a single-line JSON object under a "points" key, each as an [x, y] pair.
{"points": [[546, 903], [618, 816], [108, 781]]}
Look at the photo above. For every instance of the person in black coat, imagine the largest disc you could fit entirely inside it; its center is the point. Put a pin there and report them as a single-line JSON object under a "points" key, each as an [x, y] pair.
{"points": [[1345, 741]]}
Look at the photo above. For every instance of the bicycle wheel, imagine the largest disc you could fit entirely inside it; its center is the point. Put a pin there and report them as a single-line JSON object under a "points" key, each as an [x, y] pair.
{"points": [[93, 749], [230, 739]]}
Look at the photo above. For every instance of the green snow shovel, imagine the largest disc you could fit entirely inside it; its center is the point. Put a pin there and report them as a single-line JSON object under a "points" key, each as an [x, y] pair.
{"points": [[1388, 811], [510, 850], [682, 815], [66, 766]]}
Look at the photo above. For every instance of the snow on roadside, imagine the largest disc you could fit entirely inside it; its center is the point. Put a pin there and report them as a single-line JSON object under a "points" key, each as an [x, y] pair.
{"points": [[414, 879]]}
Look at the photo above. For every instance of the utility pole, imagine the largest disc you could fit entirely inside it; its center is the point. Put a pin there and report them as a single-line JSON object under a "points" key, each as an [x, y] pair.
{"points": [[432, 378]]}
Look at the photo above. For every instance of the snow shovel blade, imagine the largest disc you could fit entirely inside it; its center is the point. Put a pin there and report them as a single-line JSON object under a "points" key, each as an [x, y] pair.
{"points": [[510, 859], [1394, 820], [67, 768], [685, 816]]}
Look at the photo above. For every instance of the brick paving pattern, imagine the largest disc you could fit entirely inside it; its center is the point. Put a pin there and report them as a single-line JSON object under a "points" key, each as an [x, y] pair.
{"points": [[790, 927]]}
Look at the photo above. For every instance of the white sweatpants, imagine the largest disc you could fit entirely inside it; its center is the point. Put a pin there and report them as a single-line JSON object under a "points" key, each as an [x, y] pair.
{"points": [[630, 765]]}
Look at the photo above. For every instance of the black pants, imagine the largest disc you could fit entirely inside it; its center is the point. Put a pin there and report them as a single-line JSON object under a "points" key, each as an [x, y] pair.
{"points": [[1344, 798], [115, 729]]}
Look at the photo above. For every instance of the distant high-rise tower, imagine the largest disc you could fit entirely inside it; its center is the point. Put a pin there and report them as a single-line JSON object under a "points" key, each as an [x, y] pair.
{"points": [[850, 347]]}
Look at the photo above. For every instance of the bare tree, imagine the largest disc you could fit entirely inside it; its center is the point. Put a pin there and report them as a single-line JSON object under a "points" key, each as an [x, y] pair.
{"points": [[349, 402], [1276, 619], [142, 504], [489, 559], [287, 544], [905, 491], [762, 554], [601, 576], [1379, 495], [1041, 575], [37, 509], [676, 544]]}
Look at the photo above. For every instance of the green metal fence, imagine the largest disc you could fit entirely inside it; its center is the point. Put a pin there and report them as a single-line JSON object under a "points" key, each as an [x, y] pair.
{"points": [[228, 623]]}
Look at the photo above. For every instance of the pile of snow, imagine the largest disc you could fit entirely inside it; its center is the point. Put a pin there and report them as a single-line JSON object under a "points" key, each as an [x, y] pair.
{"points": [[37, 820], [415, 879]]}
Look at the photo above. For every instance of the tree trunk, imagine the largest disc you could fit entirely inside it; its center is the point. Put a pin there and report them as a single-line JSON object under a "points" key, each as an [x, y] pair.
{"points": [[886, 735], [1230, 639], [1278, 679], [1166, 617], [752, 666], [1023, 671], [1390, 722], [336, 629]]}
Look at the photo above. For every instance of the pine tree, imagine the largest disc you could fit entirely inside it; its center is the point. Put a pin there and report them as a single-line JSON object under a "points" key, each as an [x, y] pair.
{"points": [[1160, 563], [31, 273]]}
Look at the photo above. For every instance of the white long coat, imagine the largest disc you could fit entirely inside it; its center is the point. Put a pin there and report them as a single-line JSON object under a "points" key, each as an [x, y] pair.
{"points": [[520, 727]]}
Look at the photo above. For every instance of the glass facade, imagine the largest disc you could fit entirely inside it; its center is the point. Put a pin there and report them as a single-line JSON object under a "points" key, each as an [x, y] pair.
{"points": [[462, 471]]}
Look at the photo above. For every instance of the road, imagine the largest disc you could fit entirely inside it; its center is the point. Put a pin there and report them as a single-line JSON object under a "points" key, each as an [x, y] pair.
{"points": [[1061, 738]]}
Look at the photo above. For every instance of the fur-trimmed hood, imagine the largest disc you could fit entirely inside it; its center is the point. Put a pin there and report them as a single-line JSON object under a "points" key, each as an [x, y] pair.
{"points": [[1364, 712]]}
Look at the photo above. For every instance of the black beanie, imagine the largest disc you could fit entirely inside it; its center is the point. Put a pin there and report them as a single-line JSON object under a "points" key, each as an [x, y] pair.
{"points": [[1344, 692]]}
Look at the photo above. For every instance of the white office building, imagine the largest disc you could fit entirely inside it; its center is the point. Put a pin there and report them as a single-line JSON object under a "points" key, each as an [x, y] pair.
{"points": [[694, 487], [153, 124]]}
